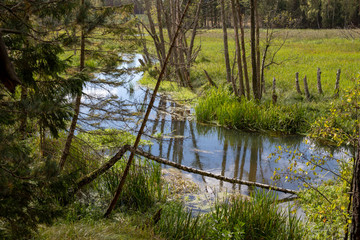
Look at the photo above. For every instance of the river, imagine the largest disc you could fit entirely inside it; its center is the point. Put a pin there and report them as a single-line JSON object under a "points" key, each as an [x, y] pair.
{"points": [[176, 136]]}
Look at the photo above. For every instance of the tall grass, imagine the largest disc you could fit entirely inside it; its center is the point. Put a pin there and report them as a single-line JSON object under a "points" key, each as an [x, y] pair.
{"points": [[237, 218], [143, 187], [223, 107]]}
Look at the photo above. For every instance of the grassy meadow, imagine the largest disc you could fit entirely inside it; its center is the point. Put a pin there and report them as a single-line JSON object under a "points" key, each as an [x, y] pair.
{"points": [[303, 51]]}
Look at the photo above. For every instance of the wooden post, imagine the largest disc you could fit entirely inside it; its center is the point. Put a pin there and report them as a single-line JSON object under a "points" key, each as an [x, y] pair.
{"points": [[306, 89], [337, 86], [319, 81], [274, 96], [297, 83]]}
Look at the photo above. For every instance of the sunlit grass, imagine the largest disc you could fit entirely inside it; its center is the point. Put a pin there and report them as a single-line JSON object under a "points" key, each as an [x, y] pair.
{"points": [[304, 51]]}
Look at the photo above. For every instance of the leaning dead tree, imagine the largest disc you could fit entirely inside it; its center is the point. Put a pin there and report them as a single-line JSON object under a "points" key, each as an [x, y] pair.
{"points": [[167, 15], [146, 117]]}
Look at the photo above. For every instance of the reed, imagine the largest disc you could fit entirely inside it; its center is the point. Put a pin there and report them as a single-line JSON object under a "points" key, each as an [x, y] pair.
{"points": [[221, 106]]}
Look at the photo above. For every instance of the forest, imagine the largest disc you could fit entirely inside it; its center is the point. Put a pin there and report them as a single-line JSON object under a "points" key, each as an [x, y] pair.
{"points": [[179, 119]]}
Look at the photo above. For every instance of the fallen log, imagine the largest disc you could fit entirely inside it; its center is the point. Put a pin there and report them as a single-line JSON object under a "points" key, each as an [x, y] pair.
{"points": [[96, 173], [208, 174]]}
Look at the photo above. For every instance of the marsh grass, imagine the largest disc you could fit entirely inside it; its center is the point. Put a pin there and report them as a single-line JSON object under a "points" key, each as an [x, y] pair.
{"points": [[221, 106], [234, 218]]}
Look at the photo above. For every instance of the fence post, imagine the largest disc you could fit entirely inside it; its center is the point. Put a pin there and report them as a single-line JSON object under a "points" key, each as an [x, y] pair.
{"points": [[297, 83], [337, 84], [319, 81], [306, 89]]}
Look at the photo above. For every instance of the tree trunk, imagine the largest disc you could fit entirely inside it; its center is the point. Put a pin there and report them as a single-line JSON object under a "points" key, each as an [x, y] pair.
{"points": [[161, 32], [355, 222], [226, 47], [257, 29], [151, 103], [238, 50], [253, 50], [153, 32], [246, 75], [70, 137]]}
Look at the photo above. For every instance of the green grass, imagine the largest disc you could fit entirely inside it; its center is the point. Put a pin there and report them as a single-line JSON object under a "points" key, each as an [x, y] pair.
{"points": [[221, 106], [235, 218], [120, 228], [304, 51]]}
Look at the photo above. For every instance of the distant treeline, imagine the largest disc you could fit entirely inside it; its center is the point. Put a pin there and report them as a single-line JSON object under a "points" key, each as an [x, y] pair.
{"points": [[278, 13]]}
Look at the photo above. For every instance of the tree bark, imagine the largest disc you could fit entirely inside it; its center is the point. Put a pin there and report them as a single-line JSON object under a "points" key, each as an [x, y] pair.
{"points": [[207, 174], [241, 91], [93, 175], [355, 222], [8, 76], [225, 39], [253, 50], [70, 137], [246, 74], [257, 30]]}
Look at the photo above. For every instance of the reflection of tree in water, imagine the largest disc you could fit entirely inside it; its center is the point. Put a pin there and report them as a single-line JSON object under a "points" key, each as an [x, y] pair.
{"points": [[223, 164], [197, 162], [178, 129]]}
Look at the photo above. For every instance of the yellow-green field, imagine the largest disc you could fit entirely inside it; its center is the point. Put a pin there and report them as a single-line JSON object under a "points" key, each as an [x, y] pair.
{"points": [[303, 51]]}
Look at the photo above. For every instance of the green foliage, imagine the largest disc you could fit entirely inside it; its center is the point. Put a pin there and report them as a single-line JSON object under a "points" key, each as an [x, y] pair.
{"points": [[177, 222], [225, 108], [325, 203], [257, 218], [340, 126], [327, 218]]}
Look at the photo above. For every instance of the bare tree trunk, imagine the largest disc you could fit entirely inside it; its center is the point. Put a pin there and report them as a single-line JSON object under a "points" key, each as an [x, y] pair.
{"points": [[147, 57], [246, 75], [238, 50], [161, 32], [190, 54], [226, 47], [70, 137], [355, 222], [263, 89], [151, 103], [257, 27], [153, 32], [253, 49]]}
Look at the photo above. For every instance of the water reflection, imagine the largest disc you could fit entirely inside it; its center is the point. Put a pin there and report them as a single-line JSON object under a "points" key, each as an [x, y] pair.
{"points": [[222, 151]]}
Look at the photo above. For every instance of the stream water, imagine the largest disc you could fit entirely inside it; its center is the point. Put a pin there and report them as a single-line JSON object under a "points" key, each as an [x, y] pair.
{"points": [[181, 139]]}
